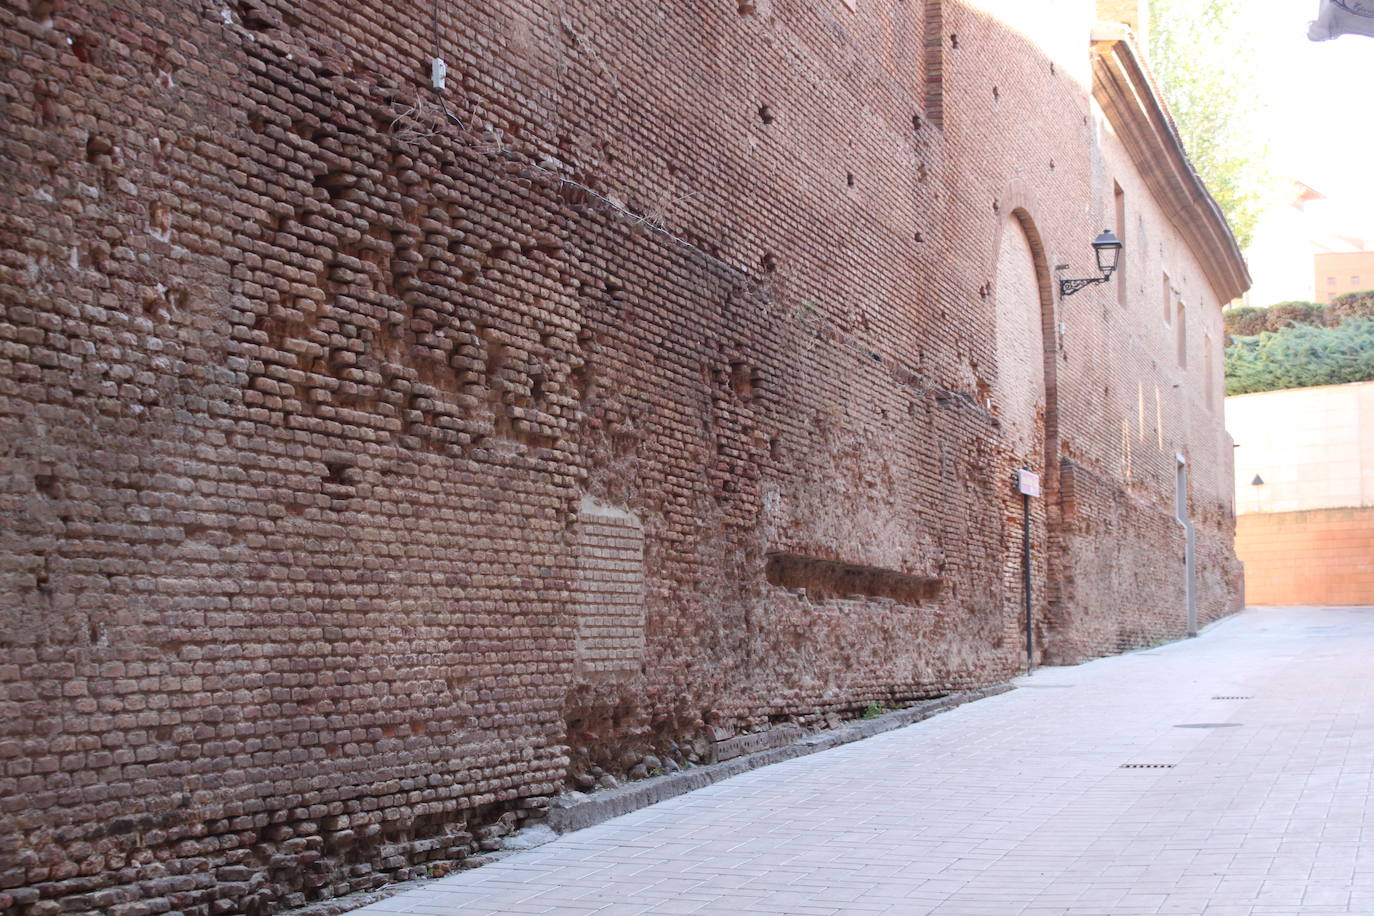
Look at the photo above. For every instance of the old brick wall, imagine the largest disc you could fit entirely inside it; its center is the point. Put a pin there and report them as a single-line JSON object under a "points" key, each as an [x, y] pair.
{"points": [[371, 469], [1137, 394]]}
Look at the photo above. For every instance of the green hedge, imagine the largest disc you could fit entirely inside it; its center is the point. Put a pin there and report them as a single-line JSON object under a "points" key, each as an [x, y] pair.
{"points": [[1304, 355], [1248, 321], [1351, 305]]}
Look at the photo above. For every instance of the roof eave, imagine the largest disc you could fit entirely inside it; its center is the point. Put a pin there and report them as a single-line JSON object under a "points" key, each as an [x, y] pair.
{"points": [[1123, 88]]}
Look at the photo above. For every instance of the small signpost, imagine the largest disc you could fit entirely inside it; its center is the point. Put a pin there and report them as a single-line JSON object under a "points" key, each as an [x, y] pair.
{"points": [[1028, 485]]}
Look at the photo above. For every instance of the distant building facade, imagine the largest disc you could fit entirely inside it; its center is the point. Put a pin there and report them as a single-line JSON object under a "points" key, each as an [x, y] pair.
{"points": [[1293, 241], [1338, 272], [381, 462]]}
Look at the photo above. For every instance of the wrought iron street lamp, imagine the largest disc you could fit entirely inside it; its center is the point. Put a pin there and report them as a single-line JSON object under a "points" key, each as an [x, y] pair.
{"points": [[1106, 248]]}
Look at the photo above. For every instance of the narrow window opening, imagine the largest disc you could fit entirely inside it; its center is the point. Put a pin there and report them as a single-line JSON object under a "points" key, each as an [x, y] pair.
{"points": [[1119, 199], [1209, 372], [1182, 329]]}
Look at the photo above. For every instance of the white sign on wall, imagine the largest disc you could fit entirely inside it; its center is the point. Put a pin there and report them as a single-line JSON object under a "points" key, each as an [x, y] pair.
{"points": [[1027, 483]]}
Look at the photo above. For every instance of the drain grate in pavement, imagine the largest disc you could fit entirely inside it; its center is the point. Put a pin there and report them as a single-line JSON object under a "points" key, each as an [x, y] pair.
{"points": [[1210, 725], [1233, 698], [1148, 766]]}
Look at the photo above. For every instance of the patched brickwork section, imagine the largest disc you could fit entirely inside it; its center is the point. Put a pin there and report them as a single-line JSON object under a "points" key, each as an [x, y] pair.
{"points": [[1104, 524], [608, 597]]}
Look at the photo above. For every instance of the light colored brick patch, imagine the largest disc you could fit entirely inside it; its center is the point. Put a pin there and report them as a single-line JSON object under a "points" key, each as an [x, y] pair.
{"points": [[609, 598]]}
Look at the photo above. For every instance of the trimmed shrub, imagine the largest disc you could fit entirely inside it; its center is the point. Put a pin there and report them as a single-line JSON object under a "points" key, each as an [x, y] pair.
{"points": [[1351, 305], [1247, 321], [1287, 314], [1301, 356]]}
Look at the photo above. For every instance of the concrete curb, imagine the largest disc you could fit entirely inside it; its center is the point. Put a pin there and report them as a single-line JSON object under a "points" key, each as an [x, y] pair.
{"points": [[566, 815]]}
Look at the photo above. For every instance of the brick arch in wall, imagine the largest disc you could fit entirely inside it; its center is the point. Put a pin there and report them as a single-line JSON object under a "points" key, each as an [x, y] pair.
{"points": [[1049, 332], [1035, 288]]}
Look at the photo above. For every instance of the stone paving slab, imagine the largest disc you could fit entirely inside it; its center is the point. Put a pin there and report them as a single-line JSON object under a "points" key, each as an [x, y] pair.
{"points": [[1019, 805]]}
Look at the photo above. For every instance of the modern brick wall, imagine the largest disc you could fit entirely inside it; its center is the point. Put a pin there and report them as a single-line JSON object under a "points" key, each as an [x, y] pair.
{"points": [[1318, 557], [338, 431], [1303, 530]]}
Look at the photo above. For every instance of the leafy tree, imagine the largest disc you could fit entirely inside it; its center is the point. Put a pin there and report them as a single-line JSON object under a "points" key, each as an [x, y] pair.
{"points": [[1203, 58], [1301, 356]]}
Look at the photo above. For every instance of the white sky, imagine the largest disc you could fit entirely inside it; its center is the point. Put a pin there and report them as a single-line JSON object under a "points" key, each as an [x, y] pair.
{"points": [[1319, 116]]}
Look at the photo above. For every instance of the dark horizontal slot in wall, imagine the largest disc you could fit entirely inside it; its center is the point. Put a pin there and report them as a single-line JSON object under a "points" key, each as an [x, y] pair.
{"points": [[827, 579]]}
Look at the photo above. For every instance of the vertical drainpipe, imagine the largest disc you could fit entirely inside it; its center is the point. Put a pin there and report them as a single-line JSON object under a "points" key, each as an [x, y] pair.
{"points": [[1190, 540]]}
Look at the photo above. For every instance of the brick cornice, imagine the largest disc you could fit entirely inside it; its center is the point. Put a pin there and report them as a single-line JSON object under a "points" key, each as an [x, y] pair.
{"points": [[1124, 89]]}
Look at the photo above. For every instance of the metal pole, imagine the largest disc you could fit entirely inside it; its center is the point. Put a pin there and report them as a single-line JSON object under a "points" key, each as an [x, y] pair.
{"points": [[1189, 542], [1190, 570], [1026, 580]]}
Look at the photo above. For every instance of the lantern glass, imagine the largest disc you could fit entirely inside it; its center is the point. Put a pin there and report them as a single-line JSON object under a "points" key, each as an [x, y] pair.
{"points": [[1107, 247]]}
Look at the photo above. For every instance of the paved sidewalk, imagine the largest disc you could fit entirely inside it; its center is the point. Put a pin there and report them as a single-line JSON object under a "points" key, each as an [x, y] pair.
{"points": [[1020, 804]]}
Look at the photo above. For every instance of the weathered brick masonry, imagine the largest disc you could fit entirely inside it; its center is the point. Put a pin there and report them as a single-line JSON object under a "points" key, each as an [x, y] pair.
{"points": [[370, 471]]}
